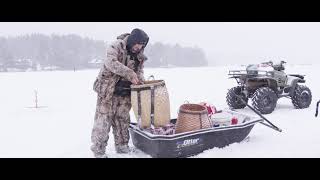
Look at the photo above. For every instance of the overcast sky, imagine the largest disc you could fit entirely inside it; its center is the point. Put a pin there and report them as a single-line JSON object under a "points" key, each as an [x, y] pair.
{"points": [[223, 42]]}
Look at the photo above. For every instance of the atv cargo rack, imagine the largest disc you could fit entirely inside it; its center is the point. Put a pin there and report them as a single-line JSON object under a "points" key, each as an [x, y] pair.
{"points": [[194, 142], [239, 73]]}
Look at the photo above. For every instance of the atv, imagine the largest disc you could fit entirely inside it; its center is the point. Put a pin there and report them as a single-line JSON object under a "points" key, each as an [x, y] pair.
{"points": [[265, 83]]}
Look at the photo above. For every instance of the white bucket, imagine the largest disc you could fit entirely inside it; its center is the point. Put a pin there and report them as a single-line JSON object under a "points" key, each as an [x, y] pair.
{"points": [[221, 119]]}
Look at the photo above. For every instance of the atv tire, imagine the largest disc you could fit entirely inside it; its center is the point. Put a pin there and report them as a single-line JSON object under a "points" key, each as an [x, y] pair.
{"points": [[264, 100], [302, 97], [233, 101]]}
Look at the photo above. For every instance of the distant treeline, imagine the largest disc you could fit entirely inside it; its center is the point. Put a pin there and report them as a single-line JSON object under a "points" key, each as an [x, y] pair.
{"points": [[167, 55], [38, 51]]}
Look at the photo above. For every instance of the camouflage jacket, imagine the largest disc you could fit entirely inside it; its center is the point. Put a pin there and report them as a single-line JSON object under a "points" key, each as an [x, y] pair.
{"points": [[118, 64]]}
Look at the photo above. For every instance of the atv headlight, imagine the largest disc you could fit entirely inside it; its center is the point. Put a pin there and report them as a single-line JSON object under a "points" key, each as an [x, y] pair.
{"points": [[269, 74], [262, 73]]}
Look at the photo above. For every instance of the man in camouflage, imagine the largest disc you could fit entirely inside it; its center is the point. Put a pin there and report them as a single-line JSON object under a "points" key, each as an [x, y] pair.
{"points": [[123, 66]]}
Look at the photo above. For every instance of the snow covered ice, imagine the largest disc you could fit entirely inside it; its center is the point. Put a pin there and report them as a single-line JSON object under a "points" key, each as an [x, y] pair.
{"points": [[62, 126]]}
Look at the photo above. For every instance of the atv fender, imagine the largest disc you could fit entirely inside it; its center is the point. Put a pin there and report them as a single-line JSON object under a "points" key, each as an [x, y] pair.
{"points": [[272, 84], [297, 75], [294, 84]]}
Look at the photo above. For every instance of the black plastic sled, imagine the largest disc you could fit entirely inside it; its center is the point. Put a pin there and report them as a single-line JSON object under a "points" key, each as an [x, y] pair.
{"points": [[191, 143]]}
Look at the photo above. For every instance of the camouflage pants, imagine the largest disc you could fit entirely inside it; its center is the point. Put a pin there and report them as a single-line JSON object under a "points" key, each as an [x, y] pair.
{"points": [[116, 116]]}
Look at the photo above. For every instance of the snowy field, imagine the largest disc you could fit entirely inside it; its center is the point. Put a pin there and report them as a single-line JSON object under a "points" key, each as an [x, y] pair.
{"points": [[61, 127]]}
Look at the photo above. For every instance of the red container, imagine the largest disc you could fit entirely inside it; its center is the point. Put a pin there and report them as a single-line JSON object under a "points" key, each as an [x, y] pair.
{"points": [[234, 120]]}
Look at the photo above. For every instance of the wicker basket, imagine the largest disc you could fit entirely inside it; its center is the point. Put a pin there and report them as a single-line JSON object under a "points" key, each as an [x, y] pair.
{"points": [[150, 103], [192, 117]]}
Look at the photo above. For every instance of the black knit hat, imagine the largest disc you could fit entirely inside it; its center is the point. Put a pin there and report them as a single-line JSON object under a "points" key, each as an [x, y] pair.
{"points": [[137, 36]]}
